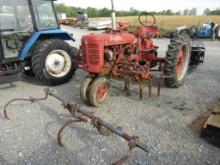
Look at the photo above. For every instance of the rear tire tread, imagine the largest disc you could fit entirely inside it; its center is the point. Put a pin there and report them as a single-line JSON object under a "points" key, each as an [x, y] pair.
{"points": [[38, 60], [171, 60]]}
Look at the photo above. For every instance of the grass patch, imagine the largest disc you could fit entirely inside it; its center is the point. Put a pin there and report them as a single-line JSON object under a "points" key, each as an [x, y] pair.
{"points": [[171, 22], [167, 24]]}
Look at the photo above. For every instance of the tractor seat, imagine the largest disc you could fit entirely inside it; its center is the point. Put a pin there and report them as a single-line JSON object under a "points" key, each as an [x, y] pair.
{"points": [[122, 26], [148, 45]]}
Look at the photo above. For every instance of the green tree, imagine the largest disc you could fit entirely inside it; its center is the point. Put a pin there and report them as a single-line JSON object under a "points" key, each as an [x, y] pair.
{"points": [[214, 12], [92, 12], [61, 8], [104, 12], [193, 11], [186, 12], [206, 11]]}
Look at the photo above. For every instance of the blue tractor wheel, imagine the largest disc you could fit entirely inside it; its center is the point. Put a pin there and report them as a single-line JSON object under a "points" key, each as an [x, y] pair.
{"points": [[52, 61]]}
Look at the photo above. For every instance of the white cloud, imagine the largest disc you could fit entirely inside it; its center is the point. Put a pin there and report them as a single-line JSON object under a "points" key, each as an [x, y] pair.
{"points": [[147, 5]]}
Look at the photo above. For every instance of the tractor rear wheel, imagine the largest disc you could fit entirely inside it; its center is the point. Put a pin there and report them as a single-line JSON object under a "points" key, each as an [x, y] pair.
{"points": [[84, 89], [99, 91], [177, 61], [52, 61]]}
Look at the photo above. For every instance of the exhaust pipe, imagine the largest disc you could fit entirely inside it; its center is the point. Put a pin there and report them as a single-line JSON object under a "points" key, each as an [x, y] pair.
{"points": [[113, 16]]}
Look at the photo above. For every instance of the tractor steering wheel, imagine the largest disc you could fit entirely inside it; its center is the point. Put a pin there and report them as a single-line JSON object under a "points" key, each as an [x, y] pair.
{"points": [[147, 19]]}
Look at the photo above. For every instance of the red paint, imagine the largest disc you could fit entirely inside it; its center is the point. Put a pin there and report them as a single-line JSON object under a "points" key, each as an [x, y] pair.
{"points": [[154, 30], [102, 92], [181, 59], [127, 50], [93, 48]]}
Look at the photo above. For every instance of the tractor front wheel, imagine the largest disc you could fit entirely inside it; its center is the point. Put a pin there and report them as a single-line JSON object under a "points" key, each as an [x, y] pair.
{"points": [[99, 91], [84, 89], [177, 61], [52, 61]]}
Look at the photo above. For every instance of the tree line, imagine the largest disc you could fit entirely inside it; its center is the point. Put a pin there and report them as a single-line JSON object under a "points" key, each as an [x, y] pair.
{"points": [[211, 12], [105, 12]]}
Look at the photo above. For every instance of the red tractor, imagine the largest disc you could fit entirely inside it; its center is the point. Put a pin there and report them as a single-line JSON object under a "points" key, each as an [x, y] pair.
{"points": [[119, 54]]}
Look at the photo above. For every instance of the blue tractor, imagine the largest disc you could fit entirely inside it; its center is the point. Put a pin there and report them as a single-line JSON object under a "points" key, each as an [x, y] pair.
{"points": [[206, 31], [31, 40]]}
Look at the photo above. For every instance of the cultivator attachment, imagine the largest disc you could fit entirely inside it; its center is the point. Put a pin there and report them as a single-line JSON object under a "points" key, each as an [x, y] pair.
{"points": [[81, 116], [141, 83]]}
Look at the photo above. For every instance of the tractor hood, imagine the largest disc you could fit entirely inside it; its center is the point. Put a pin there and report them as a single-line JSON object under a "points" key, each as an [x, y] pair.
{"points": [[109, 39]]}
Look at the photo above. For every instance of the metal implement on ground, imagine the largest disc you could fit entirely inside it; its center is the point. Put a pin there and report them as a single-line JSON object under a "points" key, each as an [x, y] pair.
{"points": [[80, 115], [97, 122]]}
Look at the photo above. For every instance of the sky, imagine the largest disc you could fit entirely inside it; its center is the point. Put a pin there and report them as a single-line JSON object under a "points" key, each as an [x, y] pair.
{"points": [[146, 5]]}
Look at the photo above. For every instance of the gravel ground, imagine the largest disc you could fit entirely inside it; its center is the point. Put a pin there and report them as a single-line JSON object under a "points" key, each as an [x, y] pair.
{"points": [[161, 122]]}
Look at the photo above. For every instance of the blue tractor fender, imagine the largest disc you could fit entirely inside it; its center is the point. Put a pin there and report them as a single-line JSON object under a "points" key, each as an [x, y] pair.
{"points": [[55, 33]]}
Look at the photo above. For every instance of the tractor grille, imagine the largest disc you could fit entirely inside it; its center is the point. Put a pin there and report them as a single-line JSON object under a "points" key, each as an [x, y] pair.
{"points": [[92, 54]]}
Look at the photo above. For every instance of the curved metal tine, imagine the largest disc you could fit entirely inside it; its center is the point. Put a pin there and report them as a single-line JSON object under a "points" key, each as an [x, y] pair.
{"points": [[59, 135]]}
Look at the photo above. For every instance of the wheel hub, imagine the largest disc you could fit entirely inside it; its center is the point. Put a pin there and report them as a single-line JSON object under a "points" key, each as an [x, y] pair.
{"points": [[102, 92], [58, 63], [181, 63]]}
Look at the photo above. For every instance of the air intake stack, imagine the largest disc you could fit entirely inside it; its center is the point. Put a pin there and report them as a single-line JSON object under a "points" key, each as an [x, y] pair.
{"points": [[113, 16]]}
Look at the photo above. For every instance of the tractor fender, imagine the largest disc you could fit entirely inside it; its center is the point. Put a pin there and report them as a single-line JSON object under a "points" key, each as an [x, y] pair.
{"points": [[28, 45]]}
